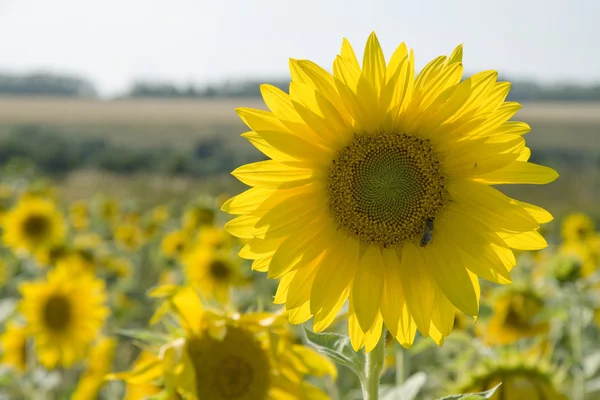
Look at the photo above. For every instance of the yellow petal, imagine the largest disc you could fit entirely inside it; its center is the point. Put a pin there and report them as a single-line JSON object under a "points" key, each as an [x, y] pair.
{"points": [[519, 172], [368, 287], [374, 63], [271, 174]]}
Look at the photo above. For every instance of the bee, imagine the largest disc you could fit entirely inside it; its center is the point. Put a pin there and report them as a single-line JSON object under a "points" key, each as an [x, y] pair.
{"points": [[428, 234]]}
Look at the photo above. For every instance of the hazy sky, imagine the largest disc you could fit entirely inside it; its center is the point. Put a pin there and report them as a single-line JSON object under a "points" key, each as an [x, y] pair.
{"points": [[115, 41]]}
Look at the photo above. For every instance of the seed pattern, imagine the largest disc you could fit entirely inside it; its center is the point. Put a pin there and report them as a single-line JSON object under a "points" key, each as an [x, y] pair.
{"points": [[383, 187]]}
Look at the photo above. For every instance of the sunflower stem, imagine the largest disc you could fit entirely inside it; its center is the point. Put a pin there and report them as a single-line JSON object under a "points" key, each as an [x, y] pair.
{"points": [[402, 366], [373, 369]]}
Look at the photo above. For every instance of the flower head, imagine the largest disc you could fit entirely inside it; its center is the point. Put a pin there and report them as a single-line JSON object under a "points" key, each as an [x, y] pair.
{"points": [[378, 190], [64, 314]]}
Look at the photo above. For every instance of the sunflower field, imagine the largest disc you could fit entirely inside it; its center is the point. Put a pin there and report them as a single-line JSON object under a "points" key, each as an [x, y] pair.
{"points": [[373, 256]]}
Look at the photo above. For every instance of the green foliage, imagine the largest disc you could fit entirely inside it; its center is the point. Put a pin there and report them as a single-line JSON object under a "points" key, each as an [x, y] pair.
{"points": [[473, 396], [338, 348]]}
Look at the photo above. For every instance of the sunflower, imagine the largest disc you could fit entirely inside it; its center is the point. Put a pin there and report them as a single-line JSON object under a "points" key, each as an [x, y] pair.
{"points": [[378, 190], [129, 236], [213, 272], [160, 214], [231, 356], [516, 316], [577, 226], [33, 224], [523, 377], [64, 314], [216, 237], [198, 216], [98, 365], [79, 215], [585, 252], [141, 380], [175, 243], [14, 346]]}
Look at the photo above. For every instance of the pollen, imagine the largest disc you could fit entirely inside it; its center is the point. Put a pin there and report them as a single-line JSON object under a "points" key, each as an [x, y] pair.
{"points": [[383, 187]]}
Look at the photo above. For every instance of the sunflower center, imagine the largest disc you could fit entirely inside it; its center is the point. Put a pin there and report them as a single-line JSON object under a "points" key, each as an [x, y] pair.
{"points": [[36, 226], [219, 270], [234, 377], [385, 186], [234, 368], [57, 313]]}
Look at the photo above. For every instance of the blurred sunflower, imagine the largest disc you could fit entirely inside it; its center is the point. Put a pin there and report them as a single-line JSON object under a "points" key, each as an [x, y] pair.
{"points": [[79, 215], [577, 226], [523, 377], [378, 191], [98, 364], [141, 380], [175, 243], [198, 216], [14, 346], [34, 223], [516, 316], [213, 272], [214, 236], [586, 252], [64, 314], [237, 356], [160, 214], [109, 209], [129, 236]]}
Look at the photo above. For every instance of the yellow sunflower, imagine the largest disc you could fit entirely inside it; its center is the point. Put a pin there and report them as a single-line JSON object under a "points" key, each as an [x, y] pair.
{"points": [[79, 215], [585, 252], [213, 272], [175, 243], [198, 216], [234, 356], [33, 224], [577, 226], [379, 191], [523, 377], [99, 363], [64, 314], [516, 314], [129, 236], [13, 343], [141, 381], [216, 237]]}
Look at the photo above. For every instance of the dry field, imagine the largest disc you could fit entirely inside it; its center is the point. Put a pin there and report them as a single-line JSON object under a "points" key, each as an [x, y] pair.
{"points": [[154, 122]]}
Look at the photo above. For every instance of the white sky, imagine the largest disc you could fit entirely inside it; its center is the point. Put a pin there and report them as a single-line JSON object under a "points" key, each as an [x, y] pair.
{"points": [[114, 42]]}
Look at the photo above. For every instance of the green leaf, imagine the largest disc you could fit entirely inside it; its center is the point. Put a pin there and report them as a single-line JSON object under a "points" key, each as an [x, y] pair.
{"points": [[7, 308], [338, 348], [409, 390], [474, 396], [144, 335]]}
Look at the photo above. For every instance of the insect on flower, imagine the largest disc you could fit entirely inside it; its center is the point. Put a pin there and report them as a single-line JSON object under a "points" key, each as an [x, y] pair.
{"points": [[428, 234]]}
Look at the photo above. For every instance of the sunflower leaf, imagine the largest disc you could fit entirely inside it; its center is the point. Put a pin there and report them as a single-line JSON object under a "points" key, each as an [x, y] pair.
{"points": [[338, 348], [143, 335], [409, 390], [474, 396]]}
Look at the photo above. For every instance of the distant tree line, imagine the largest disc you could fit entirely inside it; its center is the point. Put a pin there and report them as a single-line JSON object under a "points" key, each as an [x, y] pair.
{"points": [[49, 84], [46, 84]]}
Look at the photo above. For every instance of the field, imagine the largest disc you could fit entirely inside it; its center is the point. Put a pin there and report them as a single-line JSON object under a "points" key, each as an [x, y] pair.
{"points": [[150, 244], [566, 135]]}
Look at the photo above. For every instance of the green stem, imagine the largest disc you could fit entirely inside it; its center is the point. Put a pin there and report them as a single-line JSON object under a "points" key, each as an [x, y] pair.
{"points": [[577, 352], [402, 366], [373, 368]]}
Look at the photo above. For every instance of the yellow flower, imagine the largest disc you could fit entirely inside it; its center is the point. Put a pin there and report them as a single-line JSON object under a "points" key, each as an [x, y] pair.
{"points": [[585, 251], [64, 314], [118, 266], [523, 377], [216, 237], [80, 215], [109, 209], [129, 236], [98, 364], [33, 224], [160, 214], [141, 380], [379, 191], [577, 226], [237, 356], [213, 272], [198, 216], [174, 243], [516, 313], [14, 346]]}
